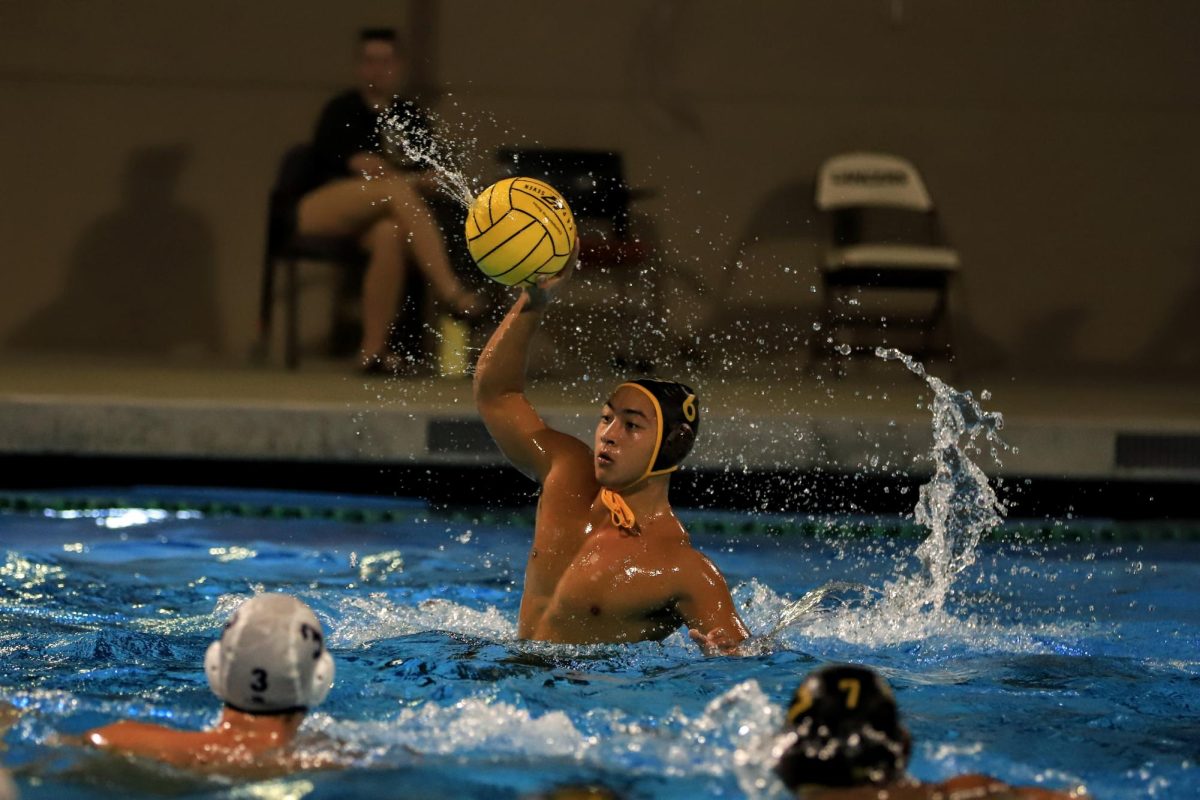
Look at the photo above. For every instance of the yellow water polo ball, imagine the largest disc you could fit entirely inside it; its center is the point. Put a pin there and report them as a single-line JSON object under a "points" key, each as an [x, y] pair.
{"points": [[520, 230]]}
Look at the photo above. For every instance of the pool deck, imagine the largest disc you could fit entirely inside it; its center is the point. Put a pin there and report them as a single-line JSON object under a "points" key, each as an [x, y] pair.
{"points": [[1082, 429]]}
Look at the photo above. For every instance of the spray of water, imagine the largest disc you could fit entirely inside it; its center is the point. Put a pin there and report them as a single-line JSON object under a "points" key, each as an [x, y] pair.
{"points": [[444, 157], [957, 504]]}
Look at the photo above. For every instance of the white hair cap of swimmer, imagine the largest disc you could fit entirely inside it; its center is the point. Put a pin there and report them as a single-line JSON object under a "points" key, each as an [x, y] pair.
{"points": [[271, 657]]}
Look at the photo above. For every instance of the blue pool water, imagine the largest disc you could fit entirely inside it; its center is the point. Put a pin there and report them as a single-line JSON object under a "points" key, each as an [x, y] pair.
{"points": [[1048, 662]]}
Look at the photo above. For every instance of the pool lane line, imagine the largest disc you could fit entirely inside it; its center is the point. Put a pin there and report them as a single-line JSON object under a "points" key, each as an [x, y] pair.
{"points": [[730, 524]]}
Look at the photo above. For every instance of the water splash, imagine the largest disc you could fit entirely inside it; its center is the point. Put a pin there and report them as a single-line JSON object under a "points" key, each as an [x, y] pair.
{"points": [[768, 615], [379, 616], [739, 729], [957, 504], [847, 617], [403, 139], [480, 727], [755, 727], [281, 789]]}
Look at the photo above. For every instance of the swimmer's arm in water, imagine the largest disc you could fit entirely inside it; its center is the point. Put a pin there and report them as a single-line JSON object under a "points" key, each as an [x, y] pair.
{"points": [[148, 740], [511, 419], [264, 750], [972, 786], [707, 609]]}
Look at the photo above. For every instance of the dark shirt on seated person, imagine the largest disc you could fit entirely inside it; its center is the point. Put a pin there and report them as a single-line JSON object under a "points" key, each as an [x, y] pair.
{"points": [[348, 126]]}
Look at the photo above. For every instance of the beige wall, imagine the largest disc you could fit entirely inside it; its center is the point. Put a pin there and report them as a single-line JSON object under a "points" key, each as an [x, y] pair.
{"points": [[1059, 138]]}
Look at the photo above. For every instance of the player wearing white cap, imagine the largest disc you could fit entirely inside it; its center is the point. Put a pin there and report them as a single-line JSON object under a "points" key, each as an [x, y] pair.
{"points": [[270, 667]]}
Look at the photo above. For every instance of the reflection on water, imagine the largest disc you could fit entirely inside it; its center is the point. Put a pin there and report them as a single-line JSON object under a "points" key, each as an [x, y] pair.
{"points": [[432, 681]]}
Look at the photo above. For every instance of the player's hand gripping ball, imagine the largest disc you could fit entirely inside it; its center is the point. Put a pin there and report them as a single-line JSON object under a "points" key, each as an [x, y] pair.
{"points": [[520, 230]]}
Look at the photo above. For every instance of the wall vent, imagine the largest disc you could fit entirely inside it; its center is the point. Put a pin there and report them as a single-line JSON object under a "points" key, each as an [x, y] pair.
{"points": [[1158, 451]]}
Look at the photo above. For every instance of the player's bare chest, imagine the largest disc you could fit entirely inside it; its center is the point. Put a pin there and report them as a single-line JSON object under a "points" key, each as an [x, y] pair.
{"points": [[618, 570]]}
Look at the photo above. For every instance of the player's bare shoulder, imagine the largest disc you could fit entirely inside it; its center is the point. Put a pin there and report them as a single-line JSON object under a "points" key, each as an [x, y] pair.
{"points": [[702, 567], [699, 580], [571, 466]]}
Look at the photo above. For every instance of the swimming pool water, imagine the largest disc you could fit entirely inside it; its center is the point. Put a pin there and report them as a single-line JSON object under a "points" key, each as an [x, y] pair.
{"points": [[1050, 663]]}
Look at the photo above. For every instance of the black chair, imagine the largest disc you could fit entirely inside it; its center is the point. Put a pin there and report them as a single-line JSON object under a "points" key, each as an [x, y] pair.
{"points": [[884, 239], [593, 184], [286, 248]]}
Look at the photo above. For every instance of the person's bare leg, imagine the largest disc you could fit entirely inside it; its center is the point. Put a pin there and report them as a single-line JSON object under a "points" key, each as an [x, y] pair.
{"points": [[389, 215], [426, 240], [345, 207], [383, 286]]}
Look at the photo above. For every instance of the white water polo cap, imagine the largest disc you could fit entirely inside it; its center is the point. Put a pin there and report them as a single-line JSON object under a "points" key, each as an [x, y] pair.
{"points": [[271, 657]]}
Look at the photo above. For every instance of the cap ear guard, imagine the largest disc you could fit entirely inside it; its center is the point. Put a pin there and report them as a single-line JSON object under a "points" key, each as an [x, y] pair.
{"points": [[212, 669], [678, 443], [322, 679]]}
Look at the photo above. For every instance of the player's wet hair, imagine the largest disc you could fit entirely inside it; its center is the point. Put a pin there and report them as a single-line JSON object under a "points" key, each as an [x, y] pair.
{"points": [[377, 35], [389, 35]]}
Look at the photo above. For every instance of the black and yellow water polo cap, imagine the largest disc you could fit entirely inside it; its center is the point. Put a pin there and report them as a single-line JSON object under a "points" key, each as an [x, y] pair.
{"points": [[678, 422], [847, 730]]}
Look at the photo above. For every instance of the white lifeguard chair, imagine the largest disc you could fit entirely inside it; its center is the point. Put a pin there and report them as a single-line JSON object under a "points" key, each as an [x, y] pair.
{"points": [[884, 240]]}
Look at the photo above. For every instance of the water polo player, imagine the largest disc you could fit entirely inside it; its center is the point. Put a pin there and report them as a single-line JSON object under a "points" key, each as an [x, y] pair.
{"points": [[845, 741], [269, 667], [610, 562]]}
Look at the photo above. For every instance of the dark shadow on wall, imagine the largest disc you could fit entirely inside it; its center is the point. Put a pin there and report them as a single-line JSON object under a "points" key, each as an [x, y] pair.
{"points": [[747, 294], [141, 279], [1051, 341], [1051, 344], [653, 74], [1175, 347], [788, 213]]}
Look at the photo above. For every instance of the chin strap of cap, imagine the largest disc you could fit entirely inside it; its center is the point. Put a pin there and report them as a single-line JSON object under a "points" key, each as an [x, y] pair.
{"points": [[622, 514]]}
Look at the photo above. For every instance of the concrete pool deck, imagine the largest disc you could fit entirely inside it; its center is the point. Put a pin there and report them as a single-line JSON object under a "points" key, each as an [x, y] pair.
{"points": [[875, 418]]}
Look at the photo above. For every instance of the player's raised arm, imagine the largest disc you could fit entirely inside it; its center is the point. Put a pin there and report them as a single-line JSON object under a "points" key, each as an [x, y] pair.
{"points": [[520, 432]]}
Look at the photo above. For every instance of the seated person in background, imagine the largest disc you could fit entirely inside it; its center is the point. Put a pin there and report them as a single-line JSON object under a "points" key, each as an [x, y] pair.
{"points": [[270, 667], [362, 194], [610, 561], [847, 743]]}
